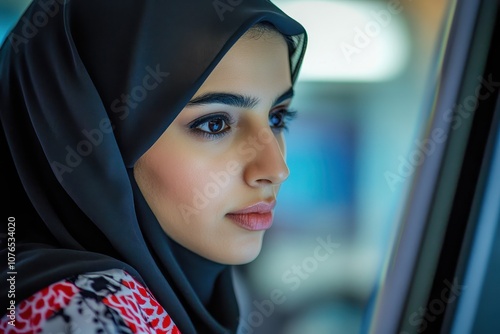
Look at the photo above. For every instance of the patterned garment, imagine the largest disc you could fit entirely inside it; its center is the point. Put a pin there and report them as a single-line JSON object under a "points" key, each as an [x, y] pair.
{"points": [[101, 302]]}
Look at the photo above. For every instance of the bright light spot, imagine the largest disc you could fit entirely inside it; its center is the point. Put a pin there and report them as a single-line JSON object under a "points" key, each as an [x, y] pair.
{"points": [[351, 41]]}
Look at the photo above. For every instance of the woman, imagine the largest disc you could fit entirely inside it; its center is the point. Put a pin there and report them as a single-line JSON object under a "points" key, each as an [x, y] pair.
{"points": [[144, 147]]}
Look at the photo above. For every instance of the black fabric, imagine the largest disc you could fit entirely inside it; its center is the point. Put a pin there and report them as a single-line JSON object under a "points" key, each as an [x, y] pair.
{"points": [[86, 87]]}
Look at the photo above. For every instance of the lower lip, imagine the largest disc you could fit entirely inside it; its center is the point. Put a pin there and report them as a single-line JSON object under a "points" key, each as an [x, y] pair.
{"points": [[253, 221]]}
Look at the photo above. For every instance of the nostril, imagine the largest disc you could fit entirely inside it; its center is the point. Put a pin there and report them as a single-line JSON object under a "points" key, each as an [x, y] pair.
{"points": [[264, 181]]}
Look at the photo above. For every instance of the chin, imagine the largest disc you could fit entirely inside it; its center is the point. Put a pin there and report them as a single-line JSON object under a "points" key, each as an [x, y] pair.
{"points": [[243, 252]]}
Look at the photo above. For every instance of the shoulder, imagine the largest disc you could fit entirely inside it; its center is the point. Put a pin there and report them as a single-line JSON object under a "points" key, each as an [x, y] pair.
{"points": [[98, 302]]}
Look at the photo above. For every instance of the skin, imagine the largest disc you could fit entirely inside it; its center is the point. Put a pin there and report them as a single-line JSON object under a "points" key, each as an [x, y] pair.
{"points": [[244, 166]]}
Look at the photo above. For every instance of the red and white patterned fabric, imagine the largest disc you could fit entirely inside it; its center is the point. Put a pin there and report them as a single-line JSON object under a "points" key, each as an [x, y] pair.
{"points": [[101, 302]]}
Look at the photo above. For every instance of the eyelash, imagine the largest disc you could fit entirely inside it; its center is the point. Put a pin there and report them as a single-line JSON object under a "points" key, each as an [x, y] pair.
{"points": [[194, 126]]}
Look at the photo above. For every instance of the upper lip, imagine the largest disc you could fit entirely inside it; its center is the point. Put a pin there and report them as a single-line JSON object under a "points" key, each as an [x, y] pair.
{"points": [[260, 207]]}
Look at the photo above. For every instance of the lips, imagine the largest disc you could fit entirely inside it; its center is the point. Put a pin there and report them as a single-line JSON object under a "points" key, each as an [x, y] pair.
{"points": [[256, 217]]}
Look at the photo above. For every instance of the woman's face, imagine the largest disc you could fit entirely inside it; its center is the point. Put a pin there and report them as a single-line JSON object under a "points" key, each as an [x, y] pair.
{"points": [[213, 176]]}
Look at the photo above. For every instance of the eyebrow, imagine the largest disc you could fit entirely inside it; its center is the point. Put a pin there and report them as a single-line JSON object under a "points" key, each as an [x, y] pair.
{"points": [[235, 100]]}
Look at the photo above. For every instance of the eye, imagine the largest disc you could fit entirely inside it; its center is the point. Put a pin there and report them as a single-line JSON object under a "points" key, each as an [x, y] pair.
{"points": [[211, 126], [278, 119]]}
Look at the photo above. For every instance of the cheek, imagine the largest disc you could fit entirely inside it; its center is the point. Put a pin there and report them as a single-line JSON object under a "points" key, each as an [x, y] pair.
{"points": [[175, 180], [176, 177]]}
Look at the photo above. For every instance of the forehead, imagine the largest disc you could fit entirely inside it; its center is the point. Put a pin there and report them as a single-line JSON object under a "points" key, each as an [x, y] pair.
{"points": [[256, 64]]}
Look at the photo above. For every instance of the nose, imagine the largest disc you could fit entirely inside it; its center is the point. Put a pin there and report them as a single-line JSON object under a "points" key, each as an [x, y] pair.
{"points": [[268, 166]]}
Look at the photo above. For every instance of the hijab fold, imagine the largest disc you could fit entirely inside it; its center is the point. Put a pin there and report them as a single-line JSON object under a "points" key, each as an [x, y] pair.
{"points": [[80, 101]]}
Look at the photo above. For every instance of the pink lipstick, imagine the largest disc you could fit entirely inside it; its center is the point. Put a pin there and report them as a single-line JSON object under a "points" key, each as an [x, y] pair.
{"points": [[256, 217]]}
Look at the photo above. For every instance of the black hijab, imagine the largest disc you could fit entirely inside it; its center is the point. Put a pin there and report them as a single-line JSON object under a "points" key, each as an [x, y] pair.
{"points": [[86, 87]]}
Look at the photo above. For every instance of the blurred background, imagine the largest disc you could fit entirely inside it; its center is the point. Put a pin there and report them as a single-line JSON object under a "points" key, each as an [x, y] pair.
{"points": [[363, 97]]}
